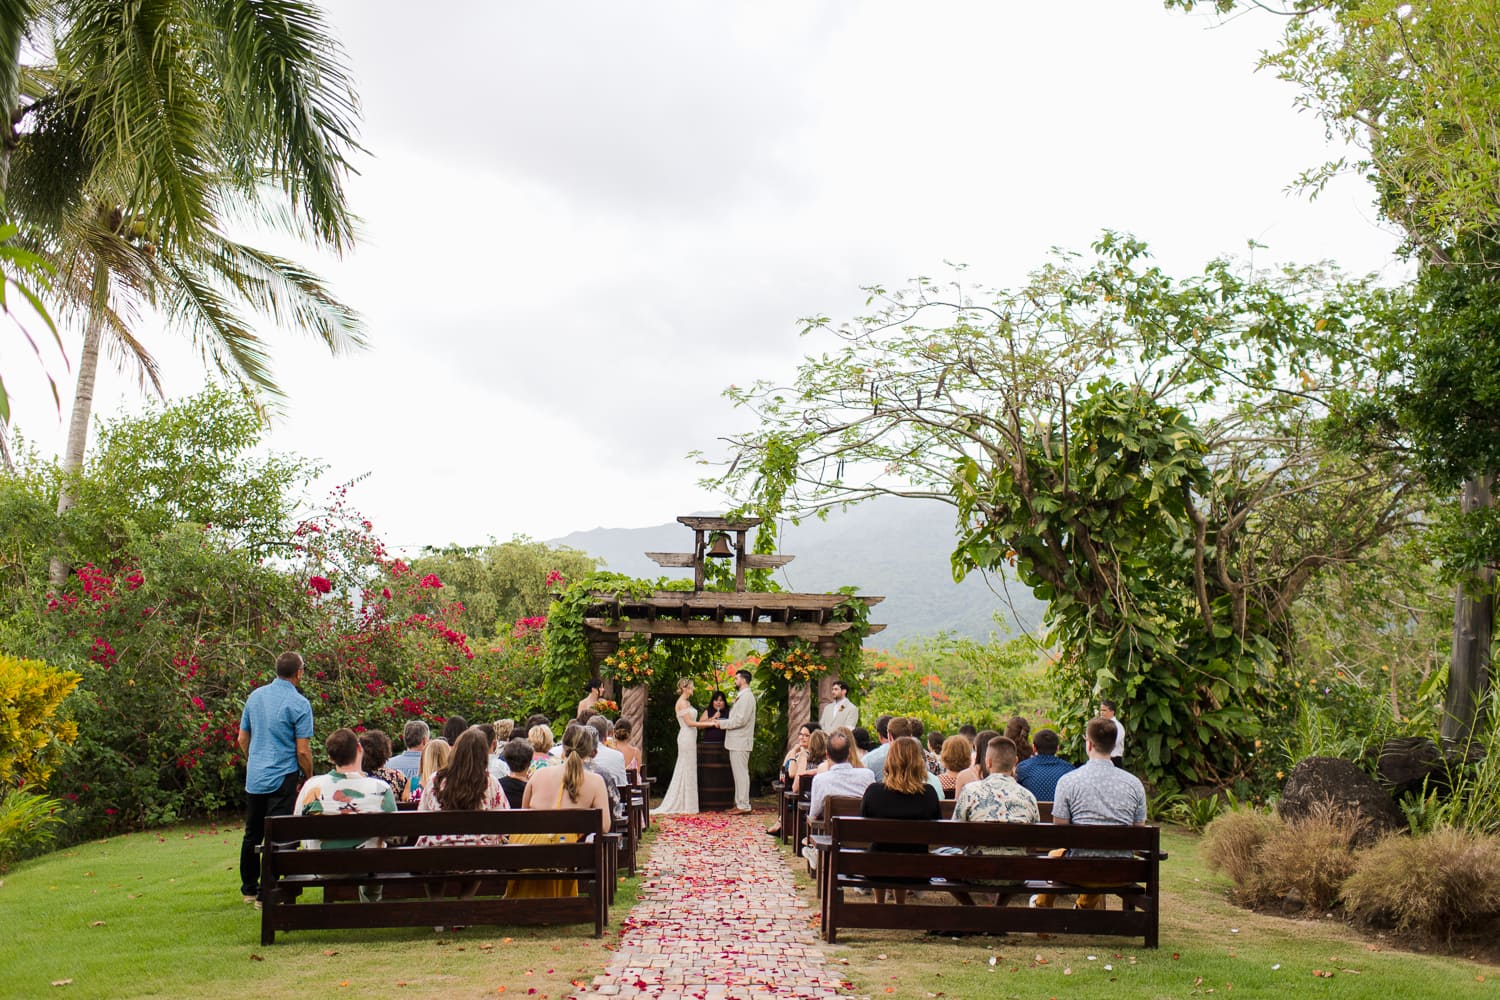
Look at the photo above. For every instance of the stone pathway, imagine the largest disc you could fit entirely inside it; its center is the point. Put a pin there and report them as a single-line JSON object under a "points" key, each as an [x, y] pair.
{"points": [[718, 918]]}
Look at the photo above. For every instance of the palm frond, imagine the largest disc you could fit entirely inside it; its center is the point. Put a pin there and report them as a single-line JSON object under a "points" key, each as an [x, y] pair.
{"points": [[191, 300], [296, 112], [290, 294]]}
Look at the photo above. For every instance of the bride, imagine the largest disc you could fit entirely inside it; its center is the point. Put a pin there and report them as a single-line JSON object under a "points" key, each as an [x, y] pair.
{"points": [[682, 793]]}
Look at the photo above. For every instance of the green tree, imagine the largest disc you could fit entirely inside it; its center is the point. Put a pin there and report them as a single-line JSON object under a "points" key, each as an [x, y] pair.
{"points": [[1414, 89], [503, 582], [1144, 453], [152, 130]]}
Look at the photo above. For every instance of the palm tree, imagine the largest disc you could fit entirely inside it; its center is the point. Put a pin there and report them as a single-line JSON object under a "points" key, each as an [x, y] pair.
{"points": [[153, 128]]}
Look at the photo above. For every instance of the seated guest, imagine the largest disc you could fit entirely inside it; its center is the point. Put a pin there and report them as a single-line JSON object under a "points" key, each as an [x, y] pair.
{"points": [[862, 740], [902, 793], [1097, 793], [517, 754], [568, 785], [377, 748], [718, 708], [464, 783], [842, 777], [856, 759], [620, 740], [1038, 774], [409, 762], [895, 728], [1018, 730], [968, 732], [997, 798], [611, 787], [935, 741], [501, 730], [434, 758], [541, 746], [504, 730], [816, 761], [538, 719], [955, 758], [608, 760], [455, 726], [934, 766], [345, 789], [976, 771]]}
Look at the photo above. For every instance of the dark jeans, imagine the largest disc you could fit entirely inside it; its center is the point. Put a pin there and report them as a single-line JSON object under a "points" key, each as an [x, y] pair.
{"points": [[257, 808]]}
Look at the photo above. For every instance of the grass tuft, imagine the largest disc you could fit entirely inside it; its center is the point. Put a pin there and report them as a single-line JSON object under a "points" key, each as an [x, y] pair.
{"points": [[1233, 840], [1307, 859], [1436, 884]]}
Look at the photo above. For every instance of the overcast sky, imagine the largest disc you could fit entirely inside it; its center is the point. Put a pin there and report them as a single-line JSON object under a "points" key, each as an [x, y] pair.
{"points": [[583, 220]]}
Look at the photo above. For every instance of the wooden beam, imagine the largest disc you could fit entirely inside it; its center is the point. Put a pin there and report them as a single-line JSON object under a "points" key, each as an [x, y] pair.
{"points": [[719, 523], [664, 628], [753, 561], [672, 560]]}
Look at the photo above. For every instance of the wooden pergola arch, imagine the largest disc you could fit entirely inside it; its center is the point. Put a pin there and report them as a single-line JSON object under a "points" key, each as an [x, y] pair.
{"points": [[700, 613]]}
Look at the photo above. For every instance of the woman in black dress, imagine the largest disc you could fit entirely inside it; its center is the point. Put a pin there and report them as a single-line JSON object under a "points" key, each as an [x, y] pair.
{"points": [[718, 708], [902, 794]]}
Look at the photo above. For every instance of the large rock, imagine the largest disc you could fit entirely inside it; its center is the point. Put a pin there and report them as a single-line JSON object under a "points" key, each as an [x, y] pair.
{"points": [[1340, 784], [1408, 762]]}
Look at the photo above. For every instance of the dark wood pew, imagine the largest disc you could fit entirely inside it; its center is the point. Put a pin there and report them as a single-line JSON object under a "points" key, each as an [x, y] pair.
{"points": [[404, 874]]}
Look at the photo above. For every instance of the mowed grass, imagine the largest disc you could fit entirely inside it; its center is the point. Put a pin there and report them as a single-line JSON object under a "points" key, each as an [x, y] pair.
{"points": [[1209, 947], [159, 914]]}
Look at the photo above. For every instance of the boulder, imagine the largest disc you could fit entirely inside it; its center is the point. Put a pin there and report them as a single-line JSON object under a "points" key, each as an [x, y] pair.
{"points": [[1342, 785], [1408, 762]]}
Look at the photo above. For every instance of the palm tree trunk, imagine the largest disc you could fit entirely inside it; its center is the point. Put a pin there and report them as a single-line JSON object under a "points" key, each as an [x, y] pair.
{"points": [[1473, 632], [83, 407]]}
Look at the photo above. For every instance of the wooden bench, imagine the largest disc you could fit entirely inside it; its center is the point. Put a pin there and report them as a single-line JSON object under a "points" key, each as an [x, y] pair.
{"points": [[404, 873], [847, 864]]}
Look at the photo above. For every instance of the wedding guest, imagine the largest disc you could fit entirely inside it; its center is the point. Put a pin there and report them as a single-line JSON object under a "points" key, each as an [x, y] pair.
{"points": [[377, 748], [465, 783], [935, 741], [840, 711], [875, 759], [997, 798], [955, 758], [275, 736], [1018, 731], [621, 742], [570, 785], [815, 762], [718, 708], [795, 763], [538, 719], [863, 741], [517, 754], [968, 732], [934, 766], [495, 764], [856, 759], [454, 727], [903, 793], [409, 761], [434, 758], [541, 746], [841, 777], [976, 771], [1116, 752], [504, 730], [606, 758], [1038, 774], [344, 789]]}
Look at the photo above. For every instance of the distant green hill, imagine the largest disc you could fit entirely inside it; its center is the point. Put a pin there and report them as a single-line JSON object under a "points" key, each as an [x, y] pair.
{"points": [[890, 547]]}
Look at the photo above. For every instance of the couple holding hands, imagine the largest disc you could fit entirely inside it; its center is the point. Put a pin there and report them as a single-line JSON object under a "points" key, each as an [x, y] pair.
{"points": [[739, 739]]}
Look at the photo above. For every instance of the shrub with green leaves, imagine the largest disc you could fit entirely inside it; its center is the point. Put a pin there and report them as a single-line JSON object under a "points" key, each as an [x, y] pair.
{"points": [[28, 824], [1435, 884], [33, 734]]}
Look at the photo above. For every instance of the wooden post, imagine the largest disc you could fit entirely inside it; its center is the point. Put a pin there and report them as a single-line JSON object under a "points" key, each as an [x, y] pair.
{"points": [[1473, 629], [798, 711]]}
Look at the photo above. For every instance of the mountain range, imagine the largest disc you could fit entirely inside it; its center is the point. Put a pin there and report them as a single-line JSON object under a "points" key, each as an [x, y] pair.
{"points": [[895, 548]]}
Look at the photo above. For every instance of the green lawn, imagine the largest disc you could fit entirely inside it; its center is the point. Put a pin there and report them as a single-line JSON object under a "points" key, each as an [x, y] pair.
{"points": [[159, 915], [1209, 947]]}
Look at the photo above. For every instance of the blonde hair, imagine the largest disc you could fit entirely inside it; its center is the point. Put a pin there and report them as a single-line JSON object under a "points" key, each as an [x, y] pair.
{"points": [[541, 738], [435, 757], [579, 743], [905, 767], [856, 759], [683, 683], [504, 728]]}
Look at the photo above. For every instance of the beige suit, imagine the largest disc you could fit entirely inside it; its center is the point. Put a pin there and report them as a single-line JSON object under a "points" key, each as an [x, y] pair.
{"points": [[739, 740], [839, 713]]}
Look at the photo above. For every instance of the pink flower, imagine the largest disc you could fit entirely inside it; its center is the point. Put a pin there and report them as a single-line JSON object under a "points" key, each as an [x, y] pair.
{"points": [[385, 592], [553, 577], [320, 584], [431, 580], [198, 703]]}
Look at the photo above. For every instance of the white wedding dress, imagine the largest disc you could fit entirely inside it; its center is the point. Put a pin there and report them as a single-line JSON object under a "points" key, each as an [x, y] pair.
{"points": [[682, 793]]}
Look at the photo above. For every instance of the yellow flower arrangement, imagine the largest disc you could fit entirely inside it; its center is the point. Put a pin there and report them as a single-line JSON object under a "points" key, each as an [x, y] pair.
{"points": [[630, 665], [797, 666]]}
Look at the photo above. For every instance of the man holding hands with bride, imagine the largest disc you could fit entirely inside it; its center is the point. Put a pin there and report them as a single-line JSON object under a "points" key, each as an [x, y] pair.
{"points": [[739, 740]]}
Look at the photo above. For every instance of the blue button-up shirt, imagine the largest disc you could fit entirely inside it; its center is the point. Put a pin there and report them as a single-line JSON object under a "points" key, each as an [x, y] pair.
{"points": [[276, 716], [1039, 774]]}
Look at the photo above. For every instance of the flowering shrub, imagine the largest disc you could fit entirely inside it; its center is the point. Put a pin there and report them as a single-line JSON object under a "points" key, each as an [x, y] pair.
{"points": [[630, 664], [32, 734]]}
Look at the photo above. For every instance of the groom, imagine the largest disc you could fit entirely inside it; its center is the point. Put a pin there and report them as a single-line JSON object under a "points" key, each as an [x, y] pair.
{"points": [[739, 738]]}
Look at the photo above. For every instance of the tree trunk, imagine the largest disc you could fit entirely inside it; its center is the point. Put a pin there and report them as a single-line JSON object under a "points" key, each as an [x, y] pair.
{"points": [[633, 707], [798, 711], [83, 407], [1473, 632]]}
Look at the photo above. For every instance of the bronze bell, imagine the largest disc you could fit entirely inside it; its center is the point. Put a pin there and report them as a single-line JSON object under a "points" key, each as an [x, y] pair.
{"points": [[719, 549]]}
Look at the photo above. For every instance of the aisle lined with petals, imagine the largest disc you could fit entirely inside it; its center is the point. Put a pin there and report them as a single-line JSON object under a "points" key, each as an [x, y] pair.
{"points": [[718, 918]]}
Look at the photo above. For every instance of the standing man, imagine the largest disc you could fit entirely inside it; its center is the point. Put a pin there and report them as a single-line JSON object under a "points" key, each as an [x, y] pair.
{"points": [[1117, 753], [275, 733], [840, 711], [739, 740]]}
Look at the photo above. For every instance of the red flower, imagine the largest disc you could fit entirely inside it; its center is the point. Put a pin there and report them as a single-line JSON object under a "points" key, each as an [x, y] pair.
{"points": [[553, 576], [320, 584], [431, 580]]}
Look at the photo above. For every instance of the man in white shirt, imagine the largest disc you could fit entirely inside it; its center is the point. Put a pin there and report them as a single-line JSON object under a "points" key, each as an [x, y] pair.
{"points": [[1117, 752], [841, 778], [840, 711], [608, 759]]}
